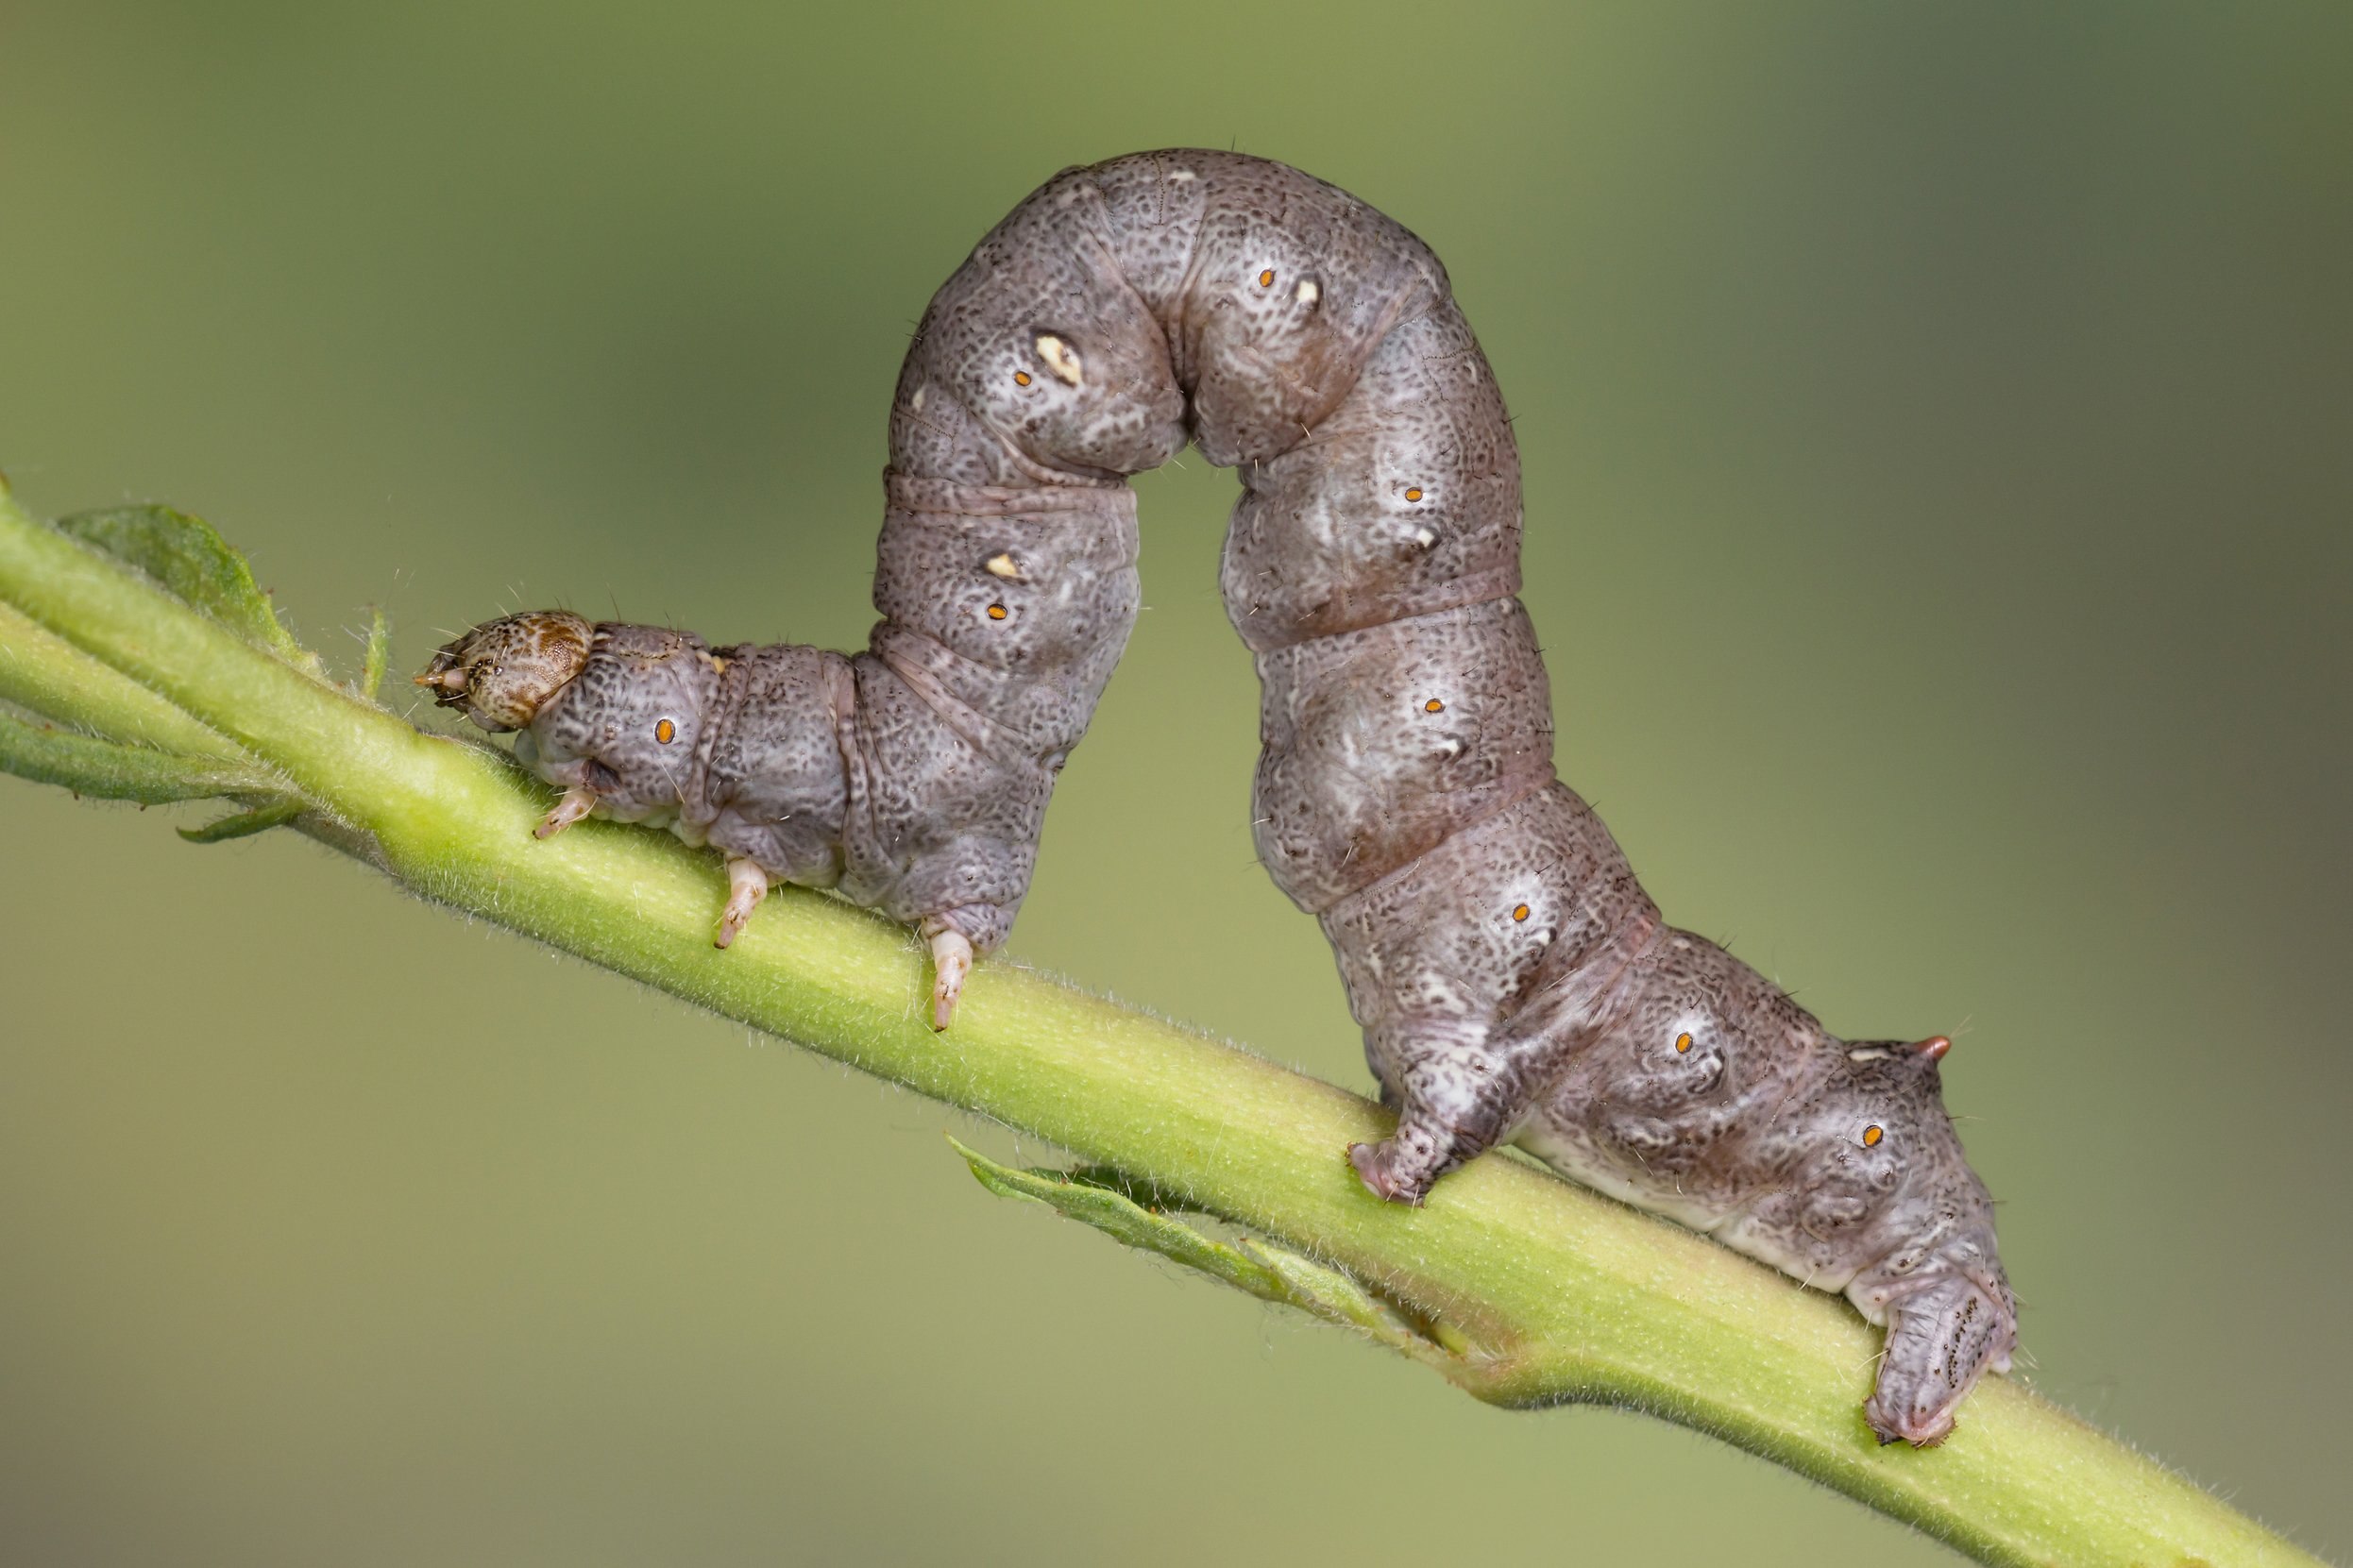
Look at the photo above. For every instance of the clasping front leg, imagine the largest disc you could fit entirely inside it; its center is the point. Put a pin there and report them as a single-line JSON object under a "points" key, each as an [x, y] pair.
{"points": [[578, 802]]}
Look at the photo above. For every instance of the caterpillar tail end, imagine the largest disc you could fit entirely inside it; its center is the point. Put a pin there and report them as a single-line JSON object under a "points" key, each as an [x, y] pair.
{"points": [[1941, 1338]]}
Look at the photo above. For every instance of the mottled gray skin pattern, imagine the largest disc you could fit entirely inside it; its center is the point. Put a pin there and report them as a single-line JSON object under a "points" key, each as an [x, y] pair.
{"points": [[1712, 1098], [1512, 978], [912, 777]]}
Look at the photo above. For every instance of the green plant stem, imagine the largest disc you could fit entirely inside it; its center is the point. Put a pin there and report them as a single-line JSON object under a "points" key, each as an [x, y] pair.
{"points": [[1543, 1293], [42, 672]]}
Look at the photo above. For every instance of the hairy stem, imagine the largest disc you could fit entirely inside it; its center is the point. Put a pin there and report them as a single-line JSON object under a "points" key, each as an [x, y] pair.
{"points": [[1519, 1288]]}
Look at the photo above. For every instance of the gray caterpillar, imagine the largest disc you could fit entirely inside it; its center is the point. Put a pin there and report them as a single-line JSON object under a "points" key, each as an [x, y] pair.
{"points": [[1512, 978]]}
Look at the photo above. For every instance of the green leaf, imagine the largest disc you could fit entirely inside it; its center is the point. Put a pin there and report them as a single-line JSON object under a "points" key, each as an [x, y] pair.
{"points": [[47, 754], [1339, 1297], [189, 558], [244, 824], [1132, 1187], [1094, 1196], [1123, 1219]]}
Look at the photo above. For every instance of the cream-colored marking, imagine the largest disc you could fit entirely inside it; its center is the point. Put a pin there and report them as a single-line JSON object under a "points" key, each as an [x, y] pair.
{"points": [[578, 802], [1060, 357], [1423, 537], [1308, 292], [916, 402], [1181, 176], [951, 961], [747, 885], [1002, 565], [1867, 1053]]}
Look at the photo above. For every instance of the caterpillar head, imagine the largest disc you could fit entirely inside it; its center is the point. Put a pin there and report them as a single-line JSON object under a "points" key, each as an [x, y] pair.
{"points": [[502, 671]]}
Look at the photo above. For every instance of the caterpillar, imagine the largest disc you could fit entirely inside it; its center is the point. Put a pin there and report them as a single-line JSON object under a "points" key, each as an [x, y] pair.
{"points": [[1512, 980]]}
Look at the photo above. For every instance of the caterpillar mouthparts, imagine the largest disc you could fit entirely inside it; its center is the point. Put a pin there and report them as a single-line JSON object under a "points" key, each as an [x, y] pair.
{"points": [[1513, 979]]}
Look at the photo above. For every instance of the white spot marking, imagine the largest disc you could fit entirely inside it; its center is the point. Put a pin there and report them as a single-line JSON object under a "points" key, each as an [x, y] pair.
{"points": [[916, 402], [1423, 537], [1002, 565], [1306, 293], [1060, 357]]}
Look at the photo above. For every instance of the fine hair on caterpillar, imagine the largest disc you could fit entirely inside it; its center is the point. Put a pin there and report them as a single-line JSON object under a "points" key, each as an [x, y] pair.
{"points": [[1512, 980]]}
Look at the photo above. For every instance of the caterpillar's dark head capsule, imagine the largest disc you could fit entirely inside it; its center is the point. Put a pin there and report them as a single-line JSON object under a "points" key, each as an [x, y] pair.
{"points": [[503, 670]]}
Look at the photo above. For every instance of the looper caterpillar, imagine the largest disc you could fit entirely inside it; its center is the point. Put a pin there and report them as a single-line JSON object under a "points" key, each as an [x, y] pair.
{"points": [[1512, 980]]}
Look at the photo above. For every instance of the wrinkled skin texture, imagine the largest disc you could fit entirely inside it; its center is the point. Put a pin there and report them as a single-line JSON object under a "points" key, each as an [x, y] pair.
{"points": [[1711, 1098], [1512, 978]]}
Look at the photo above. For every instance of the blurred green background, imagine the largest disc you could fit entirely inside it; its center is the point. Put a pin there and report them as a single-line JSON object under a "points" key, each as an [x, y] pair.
{"points": [[1936, 427]]}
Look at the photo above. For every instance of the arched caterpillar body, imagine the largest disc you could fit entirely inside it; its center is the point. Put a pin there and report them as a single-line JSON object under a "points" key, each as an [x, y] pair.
{"points": [[1512, 978]]}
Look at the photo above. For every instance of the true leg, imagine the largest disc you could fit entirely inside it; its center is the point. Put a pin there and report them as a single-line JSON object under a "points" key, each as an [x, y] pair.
{"points": [[747, 885], [578, 802]]}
